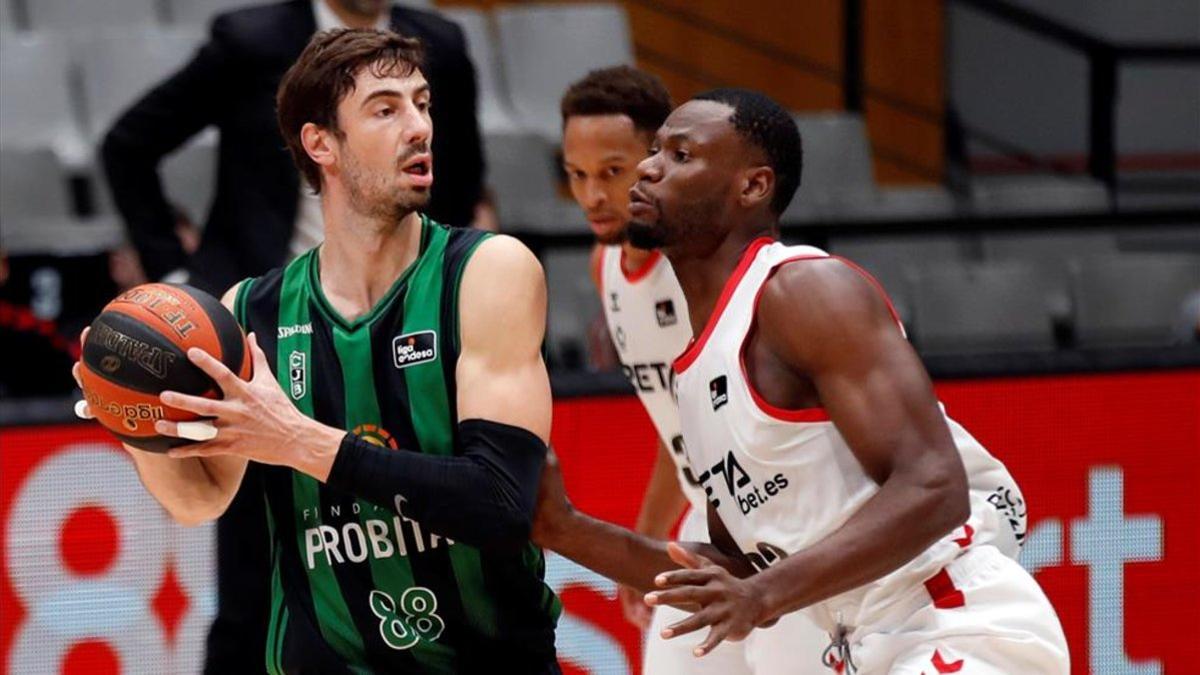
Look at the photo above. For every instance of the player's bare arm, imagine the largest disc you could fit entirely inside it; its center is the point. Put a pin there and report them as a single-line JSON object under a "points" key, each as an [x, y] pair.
{"points": [[610, 550], [192, 490], [825, 337], [501, 374]]}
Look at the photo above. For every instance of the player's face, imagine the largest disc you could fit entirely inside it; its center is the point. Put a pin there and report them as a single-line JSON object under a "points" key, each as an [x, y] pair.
{"points": [[600, 157], [686, 186], [383, 155]]}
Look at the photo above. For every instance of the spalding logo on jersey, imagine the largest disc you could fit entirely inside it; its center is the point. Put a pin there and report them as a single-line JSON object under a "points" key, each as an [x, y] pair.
{"points": [[664, 312], [413, 348], [718, 392]]}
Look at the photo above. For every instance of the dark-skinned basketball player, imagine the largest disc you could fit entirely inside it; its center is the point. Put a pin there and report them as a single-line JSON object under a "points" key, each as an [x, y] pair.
{"points": [[828, 463], [609, 120], [399, 402]]}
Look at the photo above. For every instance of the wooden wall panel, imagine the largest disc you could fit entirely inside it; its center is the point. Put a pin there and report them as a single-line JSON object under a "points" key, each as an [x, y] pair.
{"points": [[792, 50]]}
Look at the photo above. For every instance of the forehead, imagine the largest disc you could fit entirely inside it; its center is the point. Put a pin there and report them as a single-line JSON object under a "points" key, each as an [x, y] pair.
{"points": [[615, 133], [370, 79], [700, 121]]}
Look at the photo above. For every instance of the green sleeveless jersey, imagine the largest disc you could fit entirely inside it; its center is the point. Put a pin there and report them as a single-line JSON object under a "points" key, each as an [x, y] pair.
{"points": [[358, 587]]}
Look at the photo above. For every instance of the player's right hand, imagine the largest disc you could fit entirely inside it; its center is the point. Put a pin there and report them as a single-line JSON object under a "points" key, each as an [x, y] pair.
{"points": [[634, 606]]}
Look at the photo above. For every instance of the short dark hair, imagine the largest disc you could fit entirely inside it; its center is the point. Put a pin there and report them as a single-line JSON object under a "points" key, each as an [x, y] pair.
{"points": [[324, 74], [770, 128], [619, 90]]}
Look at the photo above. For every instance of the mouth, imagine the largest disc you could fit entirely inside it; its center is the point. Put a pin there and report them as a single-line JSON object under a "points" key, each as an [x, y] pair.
{"points": [[420, 165], [641, 207]]}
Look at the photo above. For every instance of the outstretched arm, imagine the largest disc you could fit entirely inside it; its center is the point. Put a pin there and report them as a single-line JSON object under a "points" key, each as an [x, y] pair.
{"points": [[609, 550], [825, 323]]}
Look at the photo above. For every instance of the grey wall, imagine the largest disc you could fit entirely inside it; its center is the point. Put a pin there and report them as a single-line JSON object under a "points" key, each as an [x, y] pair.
{"points": [[1034, 92]]}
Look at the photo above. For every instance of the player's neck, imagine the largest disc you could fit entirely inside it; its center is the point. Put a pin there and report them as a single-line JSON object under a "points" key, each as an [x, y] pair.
{"points": [[702, 275], [360, 261], [633, 259]]}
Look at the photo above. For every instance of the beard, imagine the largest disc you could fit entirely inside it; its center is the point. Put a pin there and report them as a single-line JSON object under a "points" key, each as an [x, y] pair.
{"points": [[374, 194], [645, 236], [675, 226]]}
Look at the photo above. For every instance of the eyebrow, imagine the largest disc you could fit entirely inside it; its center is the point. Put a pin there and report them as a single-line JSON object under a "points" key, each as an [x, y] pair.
{"points": [[381, 93]]}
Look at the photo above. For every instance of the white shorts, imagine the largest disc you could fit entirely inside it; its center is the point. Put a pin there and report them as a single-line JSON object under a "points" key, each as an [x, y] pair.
{"points": [[792, 645], [1004, 625]]}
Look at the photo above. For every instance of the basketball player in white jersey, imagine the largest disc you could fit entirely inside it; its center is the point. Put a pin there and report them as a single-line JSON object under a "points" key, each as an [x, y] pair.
{"points": [[814, 429], [828, 465], [609, 120]]}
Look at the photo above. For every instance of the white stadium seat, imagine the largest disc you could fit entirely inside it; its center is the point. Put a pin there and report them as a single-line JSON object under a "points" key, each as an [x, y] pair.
{"points": [[544, 48]]}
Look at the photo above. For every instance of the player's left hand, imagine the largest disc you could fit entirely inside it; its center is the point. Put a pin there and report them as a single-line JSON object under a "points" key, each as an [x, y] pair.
{"points": [[255, 419], [732, 607]]}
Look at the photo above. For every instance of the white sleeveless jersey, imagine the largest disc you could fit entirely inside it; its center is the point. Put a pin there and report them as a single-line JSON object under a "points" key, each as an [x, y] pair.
{"points": [[648, 320], [782, 480]]}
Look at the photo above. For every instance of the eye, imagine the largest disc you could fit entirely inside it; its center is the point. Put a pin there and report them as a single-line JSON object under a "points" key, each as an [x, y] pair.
{"points": [[424, 106], [386, 111], [680, 156], [613, 171], [654, 150]]}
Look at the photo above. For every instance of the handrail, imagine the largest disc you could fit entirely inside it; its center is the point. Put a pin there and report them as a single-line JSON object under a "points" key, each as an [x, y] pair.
{"points": [[1104, 57], [1068, 35]]}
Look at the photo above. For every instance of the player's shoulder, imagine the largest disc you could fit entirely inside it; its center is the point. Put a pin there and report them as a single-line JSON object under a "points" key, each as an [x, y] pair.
{"points": [[818, 294], [500, 257]]}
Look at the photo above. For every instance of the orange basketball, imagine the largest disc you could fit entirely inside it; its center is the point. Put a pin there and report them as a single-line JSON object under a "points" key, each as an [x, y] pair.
{"points": [[137, 348]]}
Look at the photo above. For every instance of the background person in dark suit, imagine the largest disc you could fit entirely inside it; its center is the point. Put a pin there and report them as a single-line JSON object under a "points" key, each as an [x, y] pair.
{"points": [[261, 213]]}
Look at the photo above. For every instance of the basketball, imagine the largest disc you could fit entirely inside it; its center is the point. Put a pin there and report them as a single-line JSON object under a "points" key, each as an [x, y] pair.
{"points": [[137, 348]]}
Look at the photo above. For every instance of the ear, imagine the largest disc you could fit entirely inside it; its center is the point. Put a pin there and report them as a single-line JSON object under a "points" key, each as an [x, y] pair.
{"points": [[318, 142], [758, 184]]}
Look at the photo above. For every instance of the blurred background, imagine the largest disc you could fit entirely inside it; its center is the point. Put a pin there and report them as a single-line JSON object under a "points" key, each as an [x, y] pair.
{"points": [[1023, 177]]}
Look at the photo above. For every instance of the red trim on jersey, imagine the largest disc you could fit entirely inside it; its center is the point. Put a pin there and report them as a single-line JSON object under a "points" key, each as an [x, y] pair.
{"points": [[945, 595], [878, 286], [641, 272], [692, 351], [965, 540], [943, 666], [816, 414]]}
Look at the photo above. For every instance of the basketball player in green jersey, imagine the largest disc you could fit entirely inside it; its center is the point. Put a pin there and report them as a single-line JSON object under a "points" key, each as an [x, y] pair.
{"points": [[399, 402]]}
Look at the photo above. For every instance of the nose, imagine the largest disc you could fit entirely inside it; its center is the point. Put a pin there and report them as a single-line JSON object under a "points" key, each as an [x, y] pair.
{"points": [[418, 127], [649, 169], [593, 195]]}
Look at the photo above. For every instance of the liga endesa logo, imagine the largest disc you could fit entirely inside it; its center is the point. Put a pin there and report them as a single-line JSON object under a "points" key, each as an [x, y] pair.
{"points": [[413, 348]]}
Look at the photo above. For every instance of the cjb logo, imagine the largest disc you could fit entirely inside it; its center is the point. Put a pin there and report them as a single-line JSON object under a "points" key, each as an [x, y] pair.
{"points": [[718, 391], [298, 374]]}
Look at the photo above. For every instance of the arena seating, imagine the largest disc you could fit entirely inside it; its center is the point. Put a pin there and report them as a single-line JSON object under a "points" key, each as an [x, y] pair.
{"points": [[1131, 299], [980, 307], [60, 89]]}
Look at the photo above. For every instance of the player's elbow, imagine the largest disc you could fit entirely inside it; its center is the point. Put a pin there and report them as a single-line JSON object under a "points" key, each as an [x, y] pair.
{"points": [[942, 486]]}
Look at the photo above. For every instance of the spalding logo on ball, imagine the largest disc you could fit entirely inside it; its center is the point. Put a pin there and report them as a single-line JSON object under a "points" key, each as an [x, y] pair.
{"points": [[137, 348]]}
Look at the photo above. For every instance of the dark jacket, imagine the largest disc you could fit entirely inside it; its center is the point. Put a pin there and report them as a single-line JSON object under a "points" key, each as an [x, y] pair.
{"points": [[231, 83]]}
